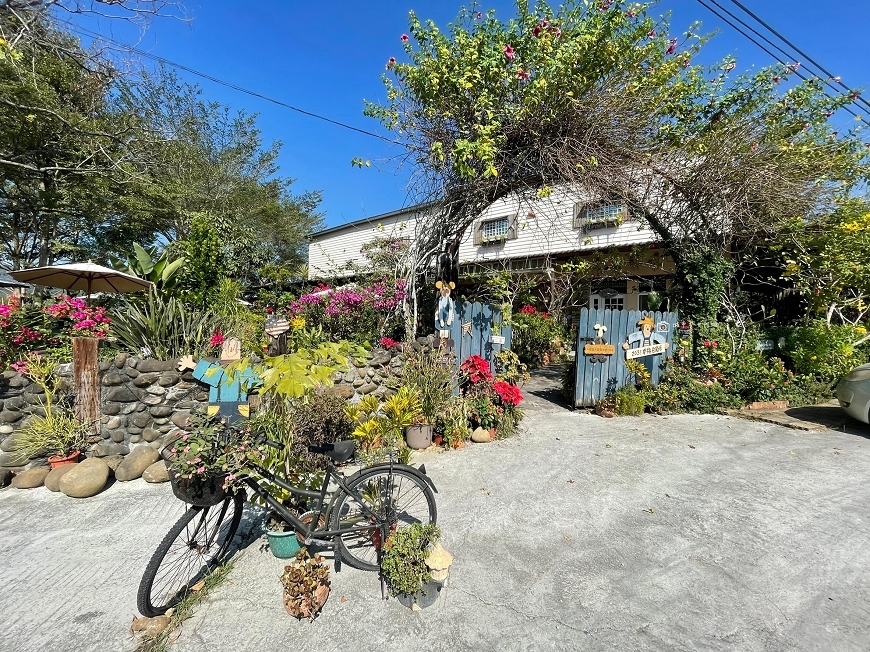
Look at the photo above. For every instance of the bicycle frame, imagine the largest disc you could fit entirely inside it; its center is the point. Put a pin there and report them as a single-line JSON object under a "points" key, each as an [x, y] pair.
{"points": [[325, 537]]}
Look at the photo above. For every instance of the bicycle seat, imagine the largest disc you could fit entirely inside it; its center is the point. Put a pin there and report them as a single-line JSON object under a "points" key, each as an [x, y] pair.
{"points": [[338, 452]]}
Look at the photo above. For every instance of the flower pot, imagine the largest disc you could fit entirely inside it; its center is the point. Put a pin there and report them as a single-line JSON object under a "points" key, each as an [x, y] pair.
{"points": [[202, 492], [438, 440], [492, 433], [283, 545], [423, 598], [59, 460], [459, 444], [418, 435]]}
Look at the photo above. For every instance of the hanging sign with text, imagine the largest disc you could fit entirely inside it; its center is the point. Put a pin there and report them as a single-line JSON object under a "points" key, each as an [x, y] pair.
{"points": [[643, 351]]}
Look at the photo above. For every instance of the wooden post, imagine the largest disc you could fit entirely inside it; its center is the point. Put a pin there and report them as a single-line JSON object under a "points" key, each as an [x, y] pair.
{"points": [[86, 378]]}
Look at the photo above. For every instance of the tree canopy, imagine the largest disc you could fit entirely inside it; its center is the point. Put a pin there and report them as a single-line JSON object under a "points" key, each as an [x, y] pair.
{"points": [[602, 98]]}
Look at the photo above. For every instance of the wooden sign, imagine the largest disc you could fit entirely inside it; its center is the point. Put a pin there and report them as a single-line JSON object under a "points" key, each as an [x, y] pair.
{"points": [[643, 351], [599, 349]]}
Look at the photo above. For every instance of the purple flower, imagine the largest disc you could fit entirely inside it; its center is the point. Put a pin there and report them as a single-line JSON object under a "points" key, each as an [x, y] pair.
{"points": [[672, 46], [404, 38], [479, 16], [523, 74], [391, 62], [536, 31], [509, 52], [651, 34], [794, 67]]}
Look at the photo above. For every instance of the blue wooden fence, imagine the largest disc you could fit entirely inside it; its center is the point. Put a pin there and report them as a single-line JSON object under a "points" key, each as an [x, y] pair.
{"points": [[486, 321], [595, 380]]}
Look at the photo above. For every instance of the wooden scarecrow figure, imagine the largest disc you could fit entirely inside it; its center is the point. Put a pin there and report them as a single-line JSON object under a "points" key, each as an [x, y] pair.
{"points": [[276, 328], [227, 394], [446, 313], [646, 336]]}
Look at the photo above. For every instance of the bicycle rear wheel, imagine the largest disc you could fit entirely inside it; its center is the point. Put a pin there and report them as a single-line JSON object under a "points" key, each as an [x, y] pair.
{"points": [[397, 497], [197, 543]]}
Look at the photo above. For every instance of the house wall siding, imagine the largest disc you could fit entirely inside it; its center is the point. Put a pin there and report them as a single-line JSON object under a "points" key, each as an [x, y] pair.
{"points": [[543, 226], [330, 254]]}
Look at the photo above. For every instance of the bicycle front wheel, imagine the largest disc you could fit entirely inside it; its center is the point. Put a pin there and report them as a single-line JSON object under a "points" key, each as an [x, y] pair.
{"points": [[396, 498], [197, 543]]}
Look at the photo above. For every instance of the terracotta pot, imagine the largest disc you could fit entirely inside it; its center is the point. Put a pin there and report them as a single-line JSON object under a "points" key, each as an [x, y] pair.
{"points": [[59, 460], [438, 440], [492, 433], [459, 444]]}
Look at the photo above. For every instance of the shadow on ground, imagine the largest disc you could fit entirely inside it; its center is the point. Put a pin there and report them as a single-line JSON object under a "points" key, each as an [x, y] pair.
{"points": [[546, 383]]}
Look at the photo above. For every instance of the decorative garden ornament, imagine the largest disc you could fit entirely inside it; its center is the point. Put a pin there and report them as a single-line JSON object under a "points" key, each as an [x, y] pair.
{"points": [[644, 342], [227, 393], [444, 316]]}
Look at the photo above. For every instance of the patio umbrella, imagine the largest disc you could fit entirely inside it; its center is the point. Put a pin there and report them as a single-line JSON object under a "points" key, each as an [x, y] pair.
{"points": [[91, 278], [82, 276]]}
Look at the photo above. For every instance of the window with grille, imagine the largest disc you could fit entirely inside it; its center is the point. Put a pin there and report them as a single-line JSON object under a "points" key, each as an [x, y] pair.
{"points": [[495, 230], [599, 216]]}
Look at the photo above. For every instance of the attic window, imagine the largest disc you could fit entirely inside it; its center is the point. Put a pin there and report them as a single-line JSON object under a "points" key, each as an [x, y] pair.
{"points": [[599, 216], [495, 230]]}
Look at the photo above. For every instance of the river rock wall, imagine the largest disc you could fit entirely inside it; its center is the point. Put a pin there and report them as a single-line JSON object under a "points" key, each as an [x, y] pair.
{"points": [[142, 400]]}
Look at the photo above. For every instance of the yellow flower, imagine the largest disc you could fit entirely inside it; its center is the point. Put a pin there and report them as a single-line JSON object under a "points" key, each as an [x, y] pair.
{"points": [[860, 329], [298, 322]]}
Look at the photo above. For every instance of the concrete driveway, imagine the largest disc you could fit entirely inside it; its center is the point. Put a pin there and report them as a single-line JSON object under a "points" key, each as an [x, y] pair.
{"points": [[652, 533]]}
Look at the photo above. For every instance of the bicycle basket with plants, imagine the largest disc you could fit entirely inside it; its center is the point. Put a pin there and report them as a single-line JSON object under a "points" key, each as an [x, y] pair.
{"points": [[211, 459]]}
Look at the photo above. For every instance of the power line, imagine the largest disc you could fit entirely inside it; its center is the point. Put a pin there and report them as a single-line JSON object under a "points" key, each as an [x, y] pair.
{"points": [[799, 51], [86, 32], [760, 46], [830, 81]]}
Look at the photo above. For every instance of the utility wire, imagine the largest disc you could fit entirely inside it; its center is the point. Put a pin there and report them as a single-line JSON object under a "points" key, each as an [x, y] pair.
{"points": [[830, 81], [799, 51], [759, 45], [82, 31]]}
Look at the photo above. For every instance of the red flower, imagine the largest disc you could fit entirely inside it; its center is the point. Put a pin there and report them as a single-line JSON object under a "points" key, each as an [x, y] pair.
{"points": [[522, 74], [390, 63], [509, 52], [507, 393], [389, 343], [672, 46], [404, 38], [217, 338], [476, 369], [528, 310]]}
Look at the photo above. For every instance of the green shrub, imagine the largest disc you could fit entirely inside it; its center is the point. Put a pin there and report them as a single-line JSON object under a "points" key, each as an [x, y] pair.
{"points": [[535, 333], [163, 327], [825, 352], [629, 402]]}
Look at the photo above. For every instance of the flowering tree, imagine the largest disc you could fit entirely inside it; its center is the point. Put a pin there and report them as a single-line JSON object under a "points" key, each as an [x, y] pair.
{"points": [[827, 262], [601, 98]]}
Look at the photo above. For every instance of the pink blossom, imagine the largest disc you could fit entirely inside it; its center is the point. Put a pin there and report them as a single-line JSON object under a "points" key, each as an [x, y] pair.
{"points": [[536, 31], [391, 62], [217, 338], [854, 95], [479, 15], [631, 13], [651, 34], [777, 79], [836, 79], [404, 38], [201, 470], [672, 46], [509, 52], [794, 67], [523, 74]]}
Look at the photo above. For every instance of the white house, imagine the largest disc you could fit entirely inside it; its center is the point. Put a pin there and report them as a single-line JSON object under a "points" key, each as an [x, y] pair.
{"points": [[520, 236]]}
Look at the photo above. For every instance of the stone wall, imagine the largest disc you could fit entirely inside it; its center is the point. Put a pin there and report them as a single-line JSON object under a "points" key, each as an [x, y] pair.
{"points": [[141, 400]]}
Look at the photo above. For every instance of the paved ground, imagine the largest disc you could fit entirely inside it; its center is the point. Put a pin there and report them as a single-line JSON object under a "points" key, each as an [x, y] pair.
{"points": [[654, 533]]}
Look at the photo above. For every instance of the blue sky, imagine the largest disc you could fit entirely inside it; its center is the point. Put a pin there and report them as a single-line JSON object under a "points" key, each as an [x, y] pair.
{"points": [[327, 57]]}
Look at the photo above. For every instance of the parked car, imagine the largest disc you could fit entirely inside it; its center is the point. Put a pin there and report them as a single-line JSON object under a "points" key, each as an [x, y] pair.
{"points": [[853, 392]]}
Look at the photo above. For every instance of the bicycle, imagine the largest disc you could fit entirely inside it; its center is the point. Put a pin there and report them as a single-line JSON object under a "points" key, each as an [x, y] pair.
{"points": [[354, 520]]}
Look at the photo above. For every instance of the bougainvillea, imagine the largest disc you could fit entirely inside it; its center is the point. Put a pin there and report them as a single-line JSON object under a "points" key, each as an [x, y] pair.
{"points": [[84, 321], [355, 313]]}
